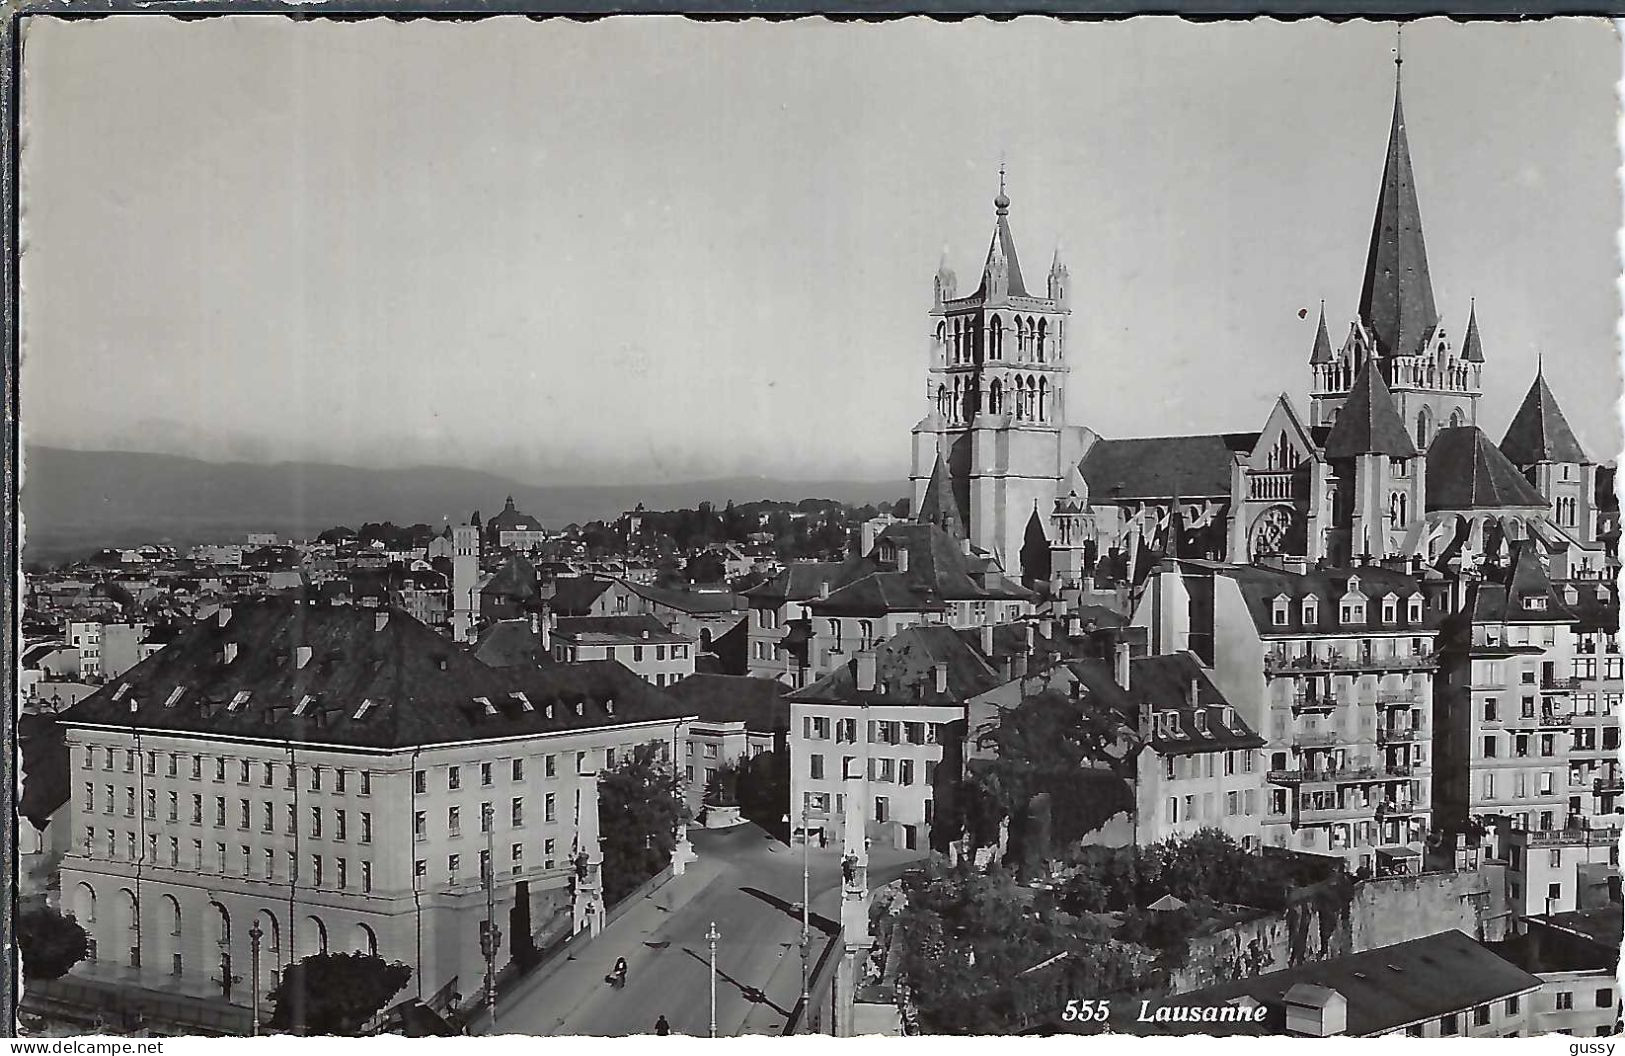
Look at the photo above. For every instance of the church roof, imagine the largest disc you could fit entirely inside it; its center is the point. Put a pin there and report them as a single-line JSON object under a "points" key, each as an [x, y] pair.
{"points": [[1472, 349], [1465, 471], [1396, 299], [516, 579], [1539, 432], [511, 520], [1322, 352], [1157, 467], [1368, 422], [938, 506], [1003, 247]]}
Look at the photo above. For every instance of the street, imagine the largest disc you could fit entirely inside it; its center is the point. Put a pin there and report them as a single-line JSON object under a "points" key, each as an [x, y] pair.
{"points": [[746, 882]]}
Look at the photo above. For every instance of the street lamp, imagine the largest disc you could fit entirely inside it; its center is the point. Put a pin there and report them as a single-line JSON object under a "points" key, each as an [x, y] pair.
{"points": [[491, 937], [712, 936], [806, 908], [255, 934]]}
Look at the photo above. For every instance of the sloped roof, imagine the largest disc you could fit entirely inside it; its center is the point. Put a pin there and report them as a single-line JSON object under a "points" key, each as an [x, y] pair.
{"points": [[905, 671], [516, 579], [757, 702], [1509, 602], [1003, 247], [511, 520], [423, 688], [1472, 348], [1164, 682], [1467, 472], [693, 602], [938, 506], [616, 630], [576, 595], [1539, 432], [803, 580], [1396, 298], [1322, 352], [1368, 422], [1261, 586], [510, 643], [1157, 467]]}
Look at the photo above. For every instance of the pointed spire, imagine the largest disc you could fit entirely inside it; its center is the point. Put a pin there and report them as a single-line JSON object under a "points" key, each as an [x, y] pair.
{"points": [[1368, 423], [937, 505], [1323, 343], [1472, 350], [1539, 432], [1396, 299], [1176, 528], [1001, 253]]}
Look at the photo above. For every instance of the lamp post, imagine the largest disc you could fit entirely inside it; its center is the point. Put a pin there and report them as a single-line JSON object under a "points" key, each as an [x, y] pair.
{"points": [[255, 934], [712, 936], [806, 908]]}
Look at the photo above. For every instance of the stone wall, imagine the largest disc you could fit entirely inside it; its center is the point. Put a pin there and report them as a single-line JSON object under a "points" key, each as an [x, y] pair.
{"points": [[1397, 908], [1312, 928]]}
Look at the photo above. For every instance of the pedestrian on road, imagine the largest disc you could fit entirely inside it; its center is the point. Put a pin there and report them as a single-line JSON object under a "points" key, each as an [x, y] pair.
{"points": [[662, 1028]]}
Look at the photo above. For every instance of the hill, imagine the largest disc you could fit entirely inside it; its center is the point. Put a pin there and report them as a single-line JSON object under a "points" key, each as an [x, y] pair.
{"points": [[78, 501]]}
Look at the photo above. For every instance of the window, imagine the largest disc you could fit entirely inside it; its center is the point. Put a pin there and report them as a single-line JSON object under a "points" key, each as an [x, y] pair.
{"points": [[315, 823], [1512, 1005], [420, 782], [549, 849], [1489, 746], [550, 766], [315, 779], [342, 868], [454, 778], [338, 780], [454, 865], [197, 809], [518, 769], [549, 807], [1565, 1000], [270, 775], [338, 825], [293, 821], [245, 815], [517, 811], [454, 821], [1481, 1016], [366, 827], [485, 775], [366, 877], [816, 767], [1490, 713], [1605, 997], [366, 790], [1448, 1025]]}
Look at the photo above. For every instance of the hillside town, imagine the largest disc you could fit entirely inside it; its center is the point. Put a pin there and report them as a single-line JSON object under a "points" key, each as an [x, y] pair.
{"points": [[1215, 733]]}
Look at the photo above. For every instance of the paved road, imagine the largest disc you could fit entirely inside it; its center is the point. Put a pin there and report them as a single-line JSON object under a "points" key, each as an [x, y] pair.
{"points": [[749, 885]]}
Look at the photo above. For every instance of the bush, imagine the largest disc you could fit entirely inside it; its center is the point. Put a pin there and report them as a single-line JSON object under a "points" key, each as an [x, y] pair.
{"points": [[335, 993], [50, 943]]}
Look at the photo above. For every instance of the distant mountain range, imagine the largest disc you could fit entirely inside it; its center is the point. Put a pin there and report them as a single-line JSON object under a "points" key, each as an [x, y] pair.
{"points": [[75, 502]]}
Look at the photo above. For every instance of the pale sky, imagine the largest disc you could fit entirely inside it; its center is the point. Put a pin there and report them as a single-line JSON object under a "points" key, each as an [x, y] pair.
{"points": [[646, 249]]}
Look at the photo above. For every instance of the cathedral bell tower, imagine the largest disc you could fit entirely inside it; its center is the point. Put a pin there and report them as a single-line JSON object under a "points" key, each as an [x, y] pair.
{"points": [[996, 394]]}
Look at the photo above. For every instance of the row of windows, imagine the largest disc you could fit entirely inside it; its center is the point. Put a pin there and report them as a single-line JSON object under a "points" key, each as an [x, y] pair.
{"points": [[1189, 808], [1450, 1025], [1184, 767], [1352, 610], [819, 802], [1520, 784], [321, 778], [817, 728], [562, 652], [516, 859], [515, 768], [244, 862], [898, 771], [487, 816], [1521, 745], [221, 814]]}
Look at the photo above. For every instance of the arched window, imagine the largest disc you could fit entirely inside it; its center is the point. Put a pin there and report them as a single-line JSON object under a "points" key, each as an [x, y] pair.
{"points": [[315, 935], [1043, 399], [1455, 418], [1393, 509], [835, 635], [954, 416], [942, 400], [995, 397], [995, 338], [84, 909], [1043, 331], [1032, 399], [366, 940], [172, 910], [1021, 397], [1404, 509], [1424, 429]]}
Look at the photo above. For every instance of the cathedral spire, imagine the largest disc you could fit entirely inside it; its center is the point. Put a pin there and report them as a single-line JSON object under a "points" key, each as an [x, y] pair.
{"points": [[1368, 422], [1396, 299], [1323, 343], [1539, 432], [1002, 266], [1472, 349]]}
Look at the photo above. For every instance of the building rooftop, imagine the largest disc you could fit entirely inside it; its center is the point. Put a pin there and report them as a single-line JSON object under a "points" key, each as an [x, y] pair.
{"points": [[759, 703], [1465, 471], [1261, 587], [1191, 467], [616, 630]]}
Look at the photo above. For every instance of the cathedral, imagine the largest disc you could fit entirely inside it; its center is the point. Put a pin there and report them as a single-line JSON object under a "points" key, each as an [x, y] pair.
{"points": [[1389, 465]]}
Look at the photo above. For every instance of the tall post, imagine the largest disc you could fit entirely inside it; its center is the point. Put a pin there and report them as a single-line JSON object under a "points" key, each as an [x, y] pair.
{"points": [[806, 911], [712, 936], [492, 936], [255, 934]]}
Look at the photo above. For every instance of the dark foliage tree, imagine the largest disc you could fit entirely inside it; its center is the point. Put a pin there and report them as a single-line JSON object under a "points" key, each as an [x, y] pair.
{"points": [[722, 787], [50, 943], [334, 993], [640, 805], [764, 790]]}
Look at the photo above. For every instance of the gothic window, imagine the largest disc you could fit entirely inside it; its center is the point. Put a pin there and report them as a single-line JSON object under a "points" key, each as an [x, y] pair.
{"points": [[1043, 398], [1020, 396], [1455, 418], [1404, 510], [1021, 337], [1043, 331], [995, 338], [1032, 399], [1393, 509], [942, 400], [995, 397], [957, 401], [1424, 429]]}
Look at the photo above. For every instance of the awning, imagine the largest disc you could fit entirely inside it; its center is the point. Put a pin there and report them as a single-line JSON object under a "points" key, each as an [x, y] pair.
{"points": [[1398, 852]]}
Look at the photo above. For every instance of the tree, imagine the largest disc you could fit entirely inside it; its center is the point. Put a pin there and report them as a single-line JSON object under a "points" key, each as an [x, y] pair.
{"points": [[335, 993], [640, 805], [764, 790], [722, 790], [50, 942]]}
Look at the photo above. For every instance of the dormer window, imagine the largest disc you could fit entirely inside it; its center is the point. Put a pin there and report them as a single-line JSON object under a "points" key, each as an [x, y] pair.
{"points": [[486, 705], [1534, 603], [238, 701], [1279, 614], [1353, 612], [1311, 611], [361, 712], [1201, 721], [1413, 609], [1390, 609]]}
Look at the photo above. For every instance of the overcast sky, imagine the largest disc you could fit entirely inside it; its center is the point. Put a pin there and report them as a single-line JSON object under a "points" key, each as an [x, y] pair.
{"points": [[647, 249]]}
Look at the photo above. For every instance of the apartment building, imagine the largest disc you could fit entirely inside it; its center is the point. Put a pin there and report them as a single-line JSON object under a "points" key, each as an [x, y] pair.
{"points": [[659, 656], [1560, 870], [346, 780], [1599, 686], [735, 719]]}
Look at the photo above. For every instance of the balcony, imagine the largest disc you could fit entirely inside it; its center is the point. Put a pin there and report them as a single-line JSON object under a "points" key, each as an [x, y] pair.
{"points": [[1605, 785], [1399, 735], [1273, 486], [1314, 739], [1551, 720], [1347, 775], [1390, 697], [1321, 702], [1572, 837], [1343, 812], [1276, 664], [1552, 684]]}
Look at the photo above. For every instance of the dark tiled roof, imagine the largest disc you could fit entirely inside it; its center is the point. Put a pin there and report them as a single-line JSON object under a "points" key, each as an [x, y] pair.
{"points": [[516, 579], [938, 506], [1004, 245], [615, 630], [905, 671], [1508, 602], [694, 602], [1595, 605], [1539, 432], [1472, 348], [1190, 467], [1388, 987], [804, 580], [1396, 299], [757, 702], [1467, 472], [423, 688], [1260, 587], [511, 520], [45, 768], [879, 593], [575, 595], [1164, 682], [510, 643], [1322, 352], [1368, 423]]}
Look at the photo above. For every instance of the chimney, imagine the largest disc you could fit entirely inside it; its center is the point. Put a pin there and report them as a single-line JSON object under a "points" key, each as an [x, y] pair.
{"points": [[229, 652], [1120, 658], [380, 620], [301, 657], [224, 614], [1046, 627], [866, 671], [987, 641], [940, 671], [1007, 668], [1032, 639], [1074, 625], [823, 588], [1195, 692], [964, 546]]}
